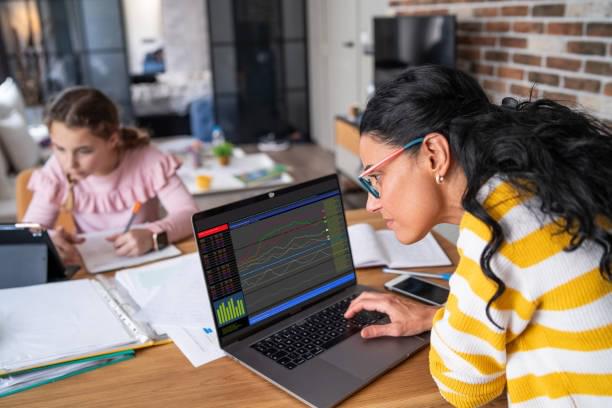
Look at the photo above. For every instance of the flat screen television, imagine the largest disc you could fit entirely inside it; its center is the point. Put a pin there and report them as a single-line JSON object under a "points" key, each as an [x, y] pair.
{"points": [[406, 41]]}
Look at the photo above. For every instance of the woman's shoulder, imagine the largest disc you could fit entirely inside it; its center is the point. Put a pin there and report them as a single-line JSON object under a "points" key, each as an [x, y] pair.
{"points": [[51, 169], [49, 174], [147, 156], [149, 165], [49, 180], [514, 209]]}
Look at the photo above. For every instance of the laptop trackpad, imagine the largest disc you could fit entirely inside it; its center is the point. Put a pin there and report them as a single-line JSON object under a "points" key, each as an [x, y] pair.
{"points": [[366, 358]]}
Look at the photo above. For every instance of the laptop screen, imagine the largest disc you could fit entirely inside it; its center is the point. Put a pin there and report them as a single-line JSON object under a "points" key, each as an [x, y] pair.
{"points": [[267, 256]]}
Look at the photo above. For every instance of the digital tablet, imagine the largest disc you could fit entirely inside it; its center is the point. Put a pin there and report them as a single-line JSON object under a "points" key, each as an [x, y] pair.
{"points": [[28, 257]]}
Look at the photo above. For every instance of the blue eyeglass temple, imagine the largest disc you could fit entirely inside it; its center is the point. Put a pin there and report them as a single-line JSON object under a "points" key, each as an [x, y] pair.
{"points": [[413, 142], [366, 183]]}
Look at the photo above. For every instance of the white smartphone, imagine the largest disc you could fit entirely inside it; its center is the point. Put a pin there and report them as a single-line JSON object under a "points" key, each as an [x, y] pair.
{"points": [[419, 289]]}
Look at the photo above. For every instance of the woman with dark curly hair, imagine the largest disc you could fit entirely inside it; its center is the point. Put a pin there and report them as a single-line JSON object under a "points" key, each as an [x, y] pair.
{"points": [[530, 185]]}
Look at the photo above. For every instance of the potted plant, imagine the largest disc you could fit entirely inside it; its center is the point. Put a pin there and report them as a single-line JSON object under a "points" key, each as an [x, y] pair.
{"points": [[223, 152]]}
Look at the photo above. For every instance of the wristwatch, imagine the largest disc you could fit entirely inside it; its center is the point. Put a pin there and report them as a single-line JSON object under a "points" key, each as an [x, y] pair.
{"points": [[160, 240]]}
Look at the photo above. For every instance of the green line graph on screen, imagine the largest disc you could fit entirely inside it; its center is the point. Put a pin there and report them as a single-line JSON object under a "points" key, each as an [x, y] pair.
{"points": [[304, 240]]}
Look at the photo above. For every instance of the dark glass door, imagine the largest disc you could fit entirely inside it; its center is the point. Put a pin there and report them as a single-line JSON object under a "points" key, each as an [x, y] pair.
{"points": [[259, 63]]}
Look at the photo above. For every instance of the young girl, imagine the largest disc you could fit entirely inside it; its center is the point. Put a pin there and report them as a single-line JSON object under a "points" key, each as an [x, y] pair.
{"points": [[530, 186], [99, 170]]}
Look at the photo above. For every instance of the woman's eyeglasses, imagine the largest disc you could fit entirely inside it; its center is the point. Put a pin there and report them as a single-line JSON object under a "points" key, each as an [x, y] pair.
{"points": [[365, 178]]}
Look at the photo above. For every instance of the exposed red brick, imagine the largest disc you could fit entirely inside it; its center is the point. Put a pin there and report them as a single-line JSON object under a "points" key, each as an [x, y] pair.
{"points": [[469, 53], [471, 40], [563, 63], [586, 47], [486, 12], [549, 10], [564, 28], [562, 98], [524, 91], [471, 26], [497, 26], [481, 69], [599, 68], [608, 89], [514, 11], [599, 29], [512, 73], [581, 84], [414, 2], [528, 27], [513, 42], [496, 56], [527, 59], [496, 86], [541, 78], [428, 12]]}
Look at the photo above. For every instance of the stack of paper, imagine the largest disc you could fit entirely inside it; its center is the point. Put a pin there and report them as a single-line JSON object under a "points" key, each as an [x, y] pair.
{"points": [[49, 323], [174, 300], [13, 383], [374, 248]]}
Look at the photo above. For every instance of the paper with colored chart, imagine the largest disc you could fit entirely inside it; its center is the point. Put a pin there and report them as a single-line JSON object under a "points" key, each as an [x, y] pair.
{"points": [[174, 300]]}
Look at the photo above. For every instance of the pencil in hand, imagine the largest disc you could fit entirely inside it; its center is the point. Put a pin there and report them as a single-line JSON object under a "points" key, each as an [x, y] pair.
{"points": [[135, 210]]}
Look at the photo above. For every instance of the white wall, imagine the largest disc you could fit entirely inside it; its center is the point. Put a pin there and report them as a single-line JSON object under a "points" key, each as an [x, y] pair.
{"points": [[327, 25], [143, 30], [368, 9]]}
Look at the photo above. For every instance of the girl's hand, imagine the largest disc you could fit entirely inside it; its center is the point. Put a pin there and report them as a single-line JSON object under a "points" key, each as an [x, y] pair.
{"points": [[133, 243], [407, 318], [64, 242]]}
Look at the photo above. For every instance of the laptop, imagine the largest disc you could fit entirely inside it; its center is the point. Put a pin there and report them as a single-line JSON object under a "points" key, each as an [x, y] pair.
{"points": [[279, 274]]}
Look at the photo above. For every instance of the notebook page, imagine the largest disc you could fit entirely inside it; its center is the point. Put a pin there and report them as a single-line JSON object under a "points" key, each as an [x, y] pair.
{"points": [[426, 252], [99, 254], [45, 323], [365, 247]]}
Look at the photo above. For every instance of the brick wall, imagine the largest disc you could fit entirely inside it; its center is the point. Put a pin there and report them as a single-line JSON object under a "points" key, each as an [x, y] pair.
{"points": [[563, 47]]}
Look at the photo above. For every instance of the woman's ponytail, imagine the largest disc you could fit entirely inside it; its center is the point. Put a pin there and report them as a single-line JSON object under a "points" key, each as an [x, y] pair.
{"points": [[132, 137]]}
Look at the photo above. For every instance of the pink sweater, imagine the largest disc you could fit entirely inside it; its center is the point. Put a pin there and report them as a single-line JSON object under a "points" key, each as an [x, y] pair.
{"points": [[104, 202]]}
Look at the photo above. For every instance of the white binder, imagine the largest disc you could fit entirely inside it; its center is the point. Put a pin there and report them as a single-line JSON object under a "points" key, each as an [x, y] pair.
{"points": [[57, 322]]}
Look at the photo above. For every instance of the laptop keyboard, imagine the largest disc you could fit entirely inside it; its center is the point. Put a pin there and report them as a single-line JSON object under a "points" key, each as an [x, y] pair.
{"points": [[321, 331]]}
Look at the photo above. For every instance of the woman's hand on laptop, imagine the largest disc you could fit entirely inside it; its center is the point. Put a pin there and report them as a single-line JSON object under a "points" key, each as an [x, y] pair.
{"points": [[407, 317]]}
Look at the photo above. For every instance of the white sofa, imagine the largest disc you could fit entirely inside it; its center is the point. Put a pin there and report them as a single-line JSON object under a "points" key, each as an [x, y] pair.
{"points": [[18, 149]]}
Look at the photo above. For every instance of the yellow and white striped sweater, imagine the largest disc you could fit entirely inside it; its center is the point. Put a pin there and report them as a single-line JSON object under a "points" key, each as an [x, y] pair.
{"points": [[555, 348]]}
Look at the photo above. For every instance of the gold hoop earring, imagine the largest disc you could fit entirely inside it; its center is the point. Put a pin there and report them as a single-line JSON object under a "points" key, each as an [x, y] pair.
{"points": [[439, 179]]}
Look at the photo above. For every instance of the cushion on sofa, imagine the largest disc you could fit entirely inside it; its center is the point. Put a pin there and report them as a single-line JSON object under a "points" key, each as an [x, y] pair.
{"points": [[21, 150], [10, 98]]}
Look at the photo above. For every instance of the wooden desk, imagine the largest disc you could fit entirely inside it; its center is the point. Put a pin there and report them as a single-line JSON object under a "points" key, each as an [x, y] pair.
{"points": [[161, 376]]}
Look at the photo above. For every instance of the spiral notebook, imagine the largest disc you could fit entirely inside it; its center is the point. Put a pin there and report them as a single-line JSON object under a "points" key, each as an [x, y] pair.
{"points": [[373, 248], [55, 322]]}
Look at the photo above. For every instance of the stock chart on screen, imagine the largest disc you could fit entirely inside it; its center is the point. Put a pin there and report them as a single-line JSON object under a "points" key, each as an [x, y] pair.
{"points": [[261, 265]]}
